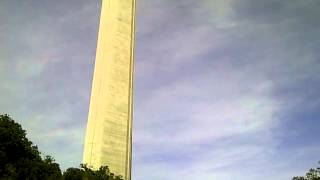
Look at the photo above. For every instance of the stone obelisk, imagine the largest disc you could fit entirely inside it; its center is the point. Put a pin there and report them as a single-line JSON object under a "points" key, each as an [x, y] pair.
{"points": [[108, 138]]}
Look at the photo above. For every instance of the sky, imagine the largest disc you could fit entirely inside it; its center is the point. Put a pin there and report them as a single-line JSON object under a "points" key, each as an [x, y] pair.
{"points": [[224, 89]]}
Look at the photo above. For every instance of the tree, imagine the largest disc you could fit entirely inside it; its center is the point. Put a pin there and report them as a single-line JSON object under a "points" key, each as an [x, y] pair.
{"points": [[312, 174], [21, 159], [51, 168], [73, 174], [85, 173]]}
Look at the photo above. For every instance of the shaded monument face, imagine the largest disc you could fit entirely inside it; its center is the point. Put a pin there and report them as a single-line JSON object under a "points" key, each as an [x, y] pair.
{"points": [[109, 130]]}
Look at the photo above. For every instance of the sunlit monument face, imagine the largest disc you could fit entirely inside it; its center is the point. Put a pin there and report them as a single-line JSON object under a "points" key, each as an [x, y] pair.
{"points": [[109, 130]]}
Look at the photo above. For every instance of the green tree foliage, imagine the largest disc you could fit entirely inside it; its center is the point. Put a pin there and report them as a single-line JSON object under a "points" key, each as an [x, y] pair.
{"points": [[85, 173], [312, 174], [20, 159]]}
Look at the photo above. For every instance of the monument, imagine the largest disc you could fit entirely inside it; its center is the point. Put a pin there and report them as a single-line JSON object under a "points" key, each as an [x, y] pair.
{"points": [[108, 139]]}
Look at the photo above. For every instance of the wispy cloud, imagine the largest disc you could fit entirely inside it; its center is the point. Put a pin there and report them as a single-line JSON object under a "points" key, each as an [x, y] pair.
{"points": [[222, 76]]}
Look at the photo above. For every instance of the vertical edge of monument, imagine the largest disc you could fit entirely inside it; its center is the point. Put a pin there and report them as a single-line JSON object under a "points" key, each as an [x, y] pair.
{"points": [[130, 128]]}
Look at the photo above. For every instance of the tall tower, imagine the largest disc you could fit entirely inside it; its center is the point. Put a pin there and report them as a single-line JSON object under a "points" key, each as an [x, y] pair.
{"points": [[108, 138]]}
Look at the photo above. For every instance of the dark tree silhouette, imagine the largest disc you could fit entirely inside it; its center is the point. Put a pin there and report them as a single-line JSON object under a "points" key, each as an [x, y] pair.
{"points": [[312, 174], [84, 173], [21, 159]]}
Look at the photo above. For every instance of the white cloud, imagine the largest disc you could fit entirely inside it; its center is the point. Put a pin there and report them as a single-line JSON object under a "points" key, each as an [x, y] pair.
{"points": [[217, 80]]}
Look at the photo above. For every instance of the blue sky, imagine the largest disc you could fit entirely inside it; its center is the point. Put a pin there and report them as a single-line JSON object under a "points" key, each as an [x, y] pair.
{"points": [[224, 89]]}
